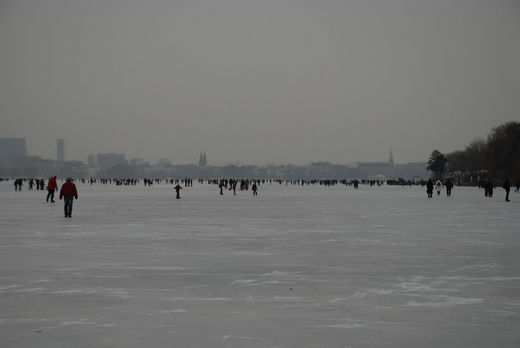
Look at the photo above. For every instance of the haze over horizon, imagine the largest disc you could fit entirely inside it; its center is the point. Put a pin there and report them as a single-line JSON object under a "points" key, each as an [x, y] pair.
{"points": [[257, 82]]}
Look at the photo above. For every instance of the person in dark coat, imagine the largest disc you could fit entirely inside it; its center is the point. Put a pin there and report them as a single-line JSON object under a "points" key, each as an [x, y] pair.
{"points": [[429, 188], [69, 192], [178, 189], [449, 186], [490, 188], [507, 187], [51, 187]]}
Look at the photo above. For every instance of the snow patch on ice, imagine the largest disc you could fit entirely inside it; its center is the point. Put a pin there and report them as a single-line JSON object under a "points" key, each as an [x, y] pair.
{"points": [[243, 281], [27, 290], [344, 324], [339, 299], [363, 294], [275, 274], [253, 282], [478, 279], [202, 299], [487, 266], [90, 291], [414, 286], [265, 299], [257, 253], [85, 321], [227, 337], [446, 301]]}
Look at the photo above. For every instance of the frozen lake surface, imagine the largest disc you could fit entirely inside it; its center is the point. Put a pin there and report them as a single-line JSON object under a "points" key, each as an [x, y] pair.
{"points": [[292, 267]]}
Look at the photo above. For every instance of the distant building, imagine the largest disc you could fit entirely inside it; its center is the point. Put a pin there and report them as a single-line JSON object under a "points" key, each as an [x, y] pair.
{"points": [[35, 166], [75, 169], [372, 164], [45, 168], [164, 162], [203, 161], [137, 162], [9, 149], [110, 160], [392, 171], [91, 161], [60, 155]]}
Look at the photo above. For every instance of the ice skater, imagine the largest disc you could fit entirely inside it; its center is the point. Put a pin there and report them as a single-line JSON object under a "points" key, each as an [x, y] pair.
{"points": [[221, 186], [178, 189], [68, 192], [52, 186]]}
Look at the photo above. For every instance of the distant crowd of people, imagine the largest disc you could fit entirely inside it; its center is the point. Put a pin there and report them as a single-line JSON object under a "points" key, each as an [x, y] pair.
{"points": [[69, 191], [487, 185]]}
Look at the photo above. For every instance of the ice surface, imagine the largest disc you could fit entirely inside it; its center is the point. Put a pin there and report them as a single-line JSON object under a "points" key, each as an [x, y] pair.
{"points": [[292, 267]]}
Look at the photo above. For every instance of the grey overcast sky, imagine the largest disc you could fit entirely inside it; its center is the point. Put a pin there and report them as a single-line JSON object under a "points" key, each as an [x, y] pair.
{"points": [[257, 81]]}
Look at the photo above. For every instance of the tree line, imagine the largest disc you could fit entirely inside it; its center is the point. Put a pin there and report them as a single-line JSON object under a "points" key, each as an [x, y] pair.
{"points": [[496, 158]]}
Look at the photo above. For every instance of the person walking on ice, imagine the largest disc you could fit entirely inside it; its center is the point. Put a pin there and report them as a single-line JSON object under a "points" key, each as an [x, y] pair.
{"points": [[449, 186], [69, 192], [51, 187], [507, 187], [429, 188], [178, 189], [438, 187]]}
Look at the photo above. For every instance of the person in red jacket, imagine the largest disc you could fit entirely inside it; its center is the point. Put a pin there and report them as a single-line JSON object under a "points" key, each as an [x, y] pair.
{"points": [[69, 191], [51, 187]]}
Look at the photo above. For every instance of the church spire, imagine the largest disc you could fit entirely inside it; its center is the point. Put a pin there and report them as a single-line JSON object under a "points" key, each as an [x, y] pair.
{"points": [[202, 160]]}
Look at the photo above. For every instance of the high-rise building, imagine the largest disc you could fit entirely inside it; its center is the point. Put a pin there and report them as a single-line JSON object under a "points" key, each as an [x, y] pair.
{"points": [[203, 160], [91, 161], [9, 149], [61, 150], [109, 160]]}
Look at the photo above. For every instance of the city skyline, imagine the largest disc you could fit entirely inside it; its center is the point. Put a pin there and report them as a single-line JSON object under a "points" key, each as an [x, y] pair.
{"points": [[258, 82], [59, 156]]}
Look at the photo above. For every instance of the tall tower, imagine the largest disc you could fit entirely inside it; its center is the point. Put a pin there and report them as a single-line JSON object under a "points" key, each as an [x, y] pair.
{"points": [[61, 150], [391, 158], [202, 160]]}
